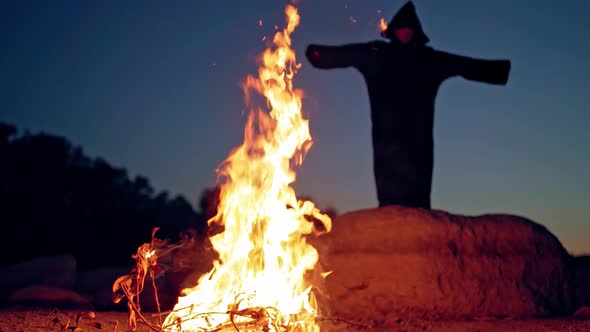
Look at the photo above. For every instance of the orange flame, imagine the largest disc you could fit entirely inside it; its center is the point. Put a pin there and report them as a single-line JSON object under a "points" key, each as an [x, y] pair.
{"points": [[263, 253], [382, 25]]}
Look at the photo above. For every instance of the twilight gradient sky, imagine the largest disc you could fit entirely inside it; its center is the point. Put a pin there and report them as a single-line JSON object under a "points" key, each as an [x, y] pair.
{"points": [[154, 86]]}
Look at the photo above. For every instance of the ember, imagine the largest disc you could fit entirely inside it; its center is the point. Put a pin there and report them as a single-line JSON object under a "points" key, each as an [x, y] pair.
{"points": [[382, 25]]}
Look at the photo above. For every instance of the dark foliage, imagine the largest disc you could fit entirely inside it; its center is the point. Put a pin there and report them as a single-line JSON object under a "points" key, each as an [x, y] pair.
{"points": [[54, 199]]}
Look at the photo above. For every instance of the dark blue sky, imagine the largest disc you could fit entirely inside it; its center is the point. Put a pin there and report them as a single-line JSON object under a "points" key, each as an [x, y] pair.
{"points": [[154, 86]]}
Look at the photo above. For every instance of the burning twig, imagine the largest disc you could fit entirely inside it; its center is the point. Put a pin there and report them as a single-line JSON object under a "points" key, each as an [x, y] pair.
{"points": [[256, 318], [152, 276], [129, 286]]}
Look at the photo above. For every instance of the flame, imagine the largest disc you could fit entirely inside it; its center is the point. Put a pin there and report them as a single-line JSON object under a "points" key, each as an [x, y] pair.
{"points": [[382, 25], [263, 254]]}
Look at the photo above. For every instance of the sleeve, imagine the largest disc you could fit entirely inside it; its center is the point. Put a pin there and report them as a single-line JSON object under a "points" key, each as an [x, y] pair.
{"points": [[327, 57], [487, 71]]}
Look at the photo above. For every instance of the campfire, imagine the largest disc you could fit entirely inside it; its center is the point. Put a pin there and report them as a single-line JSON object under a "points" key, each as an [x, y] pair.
{"points": [[261, 280]]}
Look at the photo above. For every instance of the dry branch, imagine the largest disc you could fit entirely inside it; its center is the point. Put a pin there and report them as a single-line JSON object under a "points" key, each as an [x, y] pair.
{"points": [[130, 286]]}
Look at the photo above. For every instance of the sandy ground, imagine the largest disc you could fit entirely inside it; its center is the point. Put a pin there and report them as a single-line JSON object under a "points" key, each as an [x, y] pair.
{"points": [[54, 320]]}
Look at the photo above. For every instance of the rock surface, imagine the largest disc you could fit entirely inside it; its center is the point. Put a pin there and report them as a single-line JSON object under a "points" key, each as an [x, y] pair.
{"points": [[52, 271], [48, 297], [397, 262]]}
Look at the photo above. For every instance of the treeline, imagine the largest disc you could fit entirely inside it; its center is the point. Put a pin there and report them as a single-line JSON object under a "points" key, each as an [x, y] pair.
{"points": [[55, 199]]}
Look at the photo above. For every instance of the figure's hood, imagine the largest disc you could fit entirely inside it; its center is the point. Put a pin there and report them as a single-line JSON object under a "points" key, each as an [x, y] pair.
{"points": [[406, 17]]}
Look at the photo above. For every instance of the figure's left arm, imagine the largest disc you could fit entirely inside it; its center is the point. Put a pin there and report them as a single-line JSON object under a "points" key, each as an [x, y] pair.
{"points": [[487, 71]]}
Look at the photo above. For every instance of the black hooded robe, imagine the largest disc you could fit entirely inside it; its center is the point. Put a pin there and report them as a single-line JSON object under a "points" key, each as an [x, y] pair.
{"points": [[402, 82]]}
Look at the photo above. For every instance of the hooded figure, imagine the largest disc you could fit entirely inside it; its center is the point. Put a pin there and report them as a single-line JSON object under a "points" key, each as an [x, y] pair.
{"points": [[403, 77]]}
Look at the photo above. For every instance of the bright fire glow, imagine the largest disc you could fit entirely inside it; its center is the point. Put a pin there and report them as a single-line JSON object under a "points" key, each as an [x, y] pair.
{"points": [[264, 259], [382, 25]]}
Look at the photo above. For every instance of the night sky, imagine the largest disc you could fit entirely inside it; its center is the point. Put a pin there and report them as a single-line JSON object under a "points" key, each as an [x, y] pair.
{"points": [[154, 86]]}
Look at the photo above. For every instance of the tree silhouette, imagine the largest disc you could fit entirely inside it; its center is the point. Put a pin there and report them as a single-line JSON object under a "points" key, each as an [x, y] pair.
{"points": [[54, 199]]}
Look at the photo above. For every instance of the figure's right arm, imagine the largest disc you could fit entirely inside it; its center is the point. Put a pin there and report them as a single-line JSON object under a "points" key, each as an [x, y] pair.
{"points": [[326, 57]]}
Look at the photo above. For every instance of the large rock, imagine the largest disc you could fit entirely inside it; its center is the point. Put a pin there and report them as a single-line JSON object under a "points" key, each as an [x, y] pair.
{"points": [[397, 262], [48, 297], [53, 271]]}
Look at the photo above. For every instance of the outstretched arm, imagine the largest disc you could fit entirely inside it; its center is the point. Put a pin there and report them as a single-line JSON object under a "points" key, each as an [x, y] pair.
{"points": [[487, 71], [326, 57]]}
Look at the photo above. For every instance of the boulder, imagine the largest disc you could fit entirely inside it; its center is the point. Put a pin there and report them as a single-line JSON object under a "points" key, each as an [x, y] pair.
{"points": [[52, 271], [48, 297], [582, 313], [396, 262]]}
